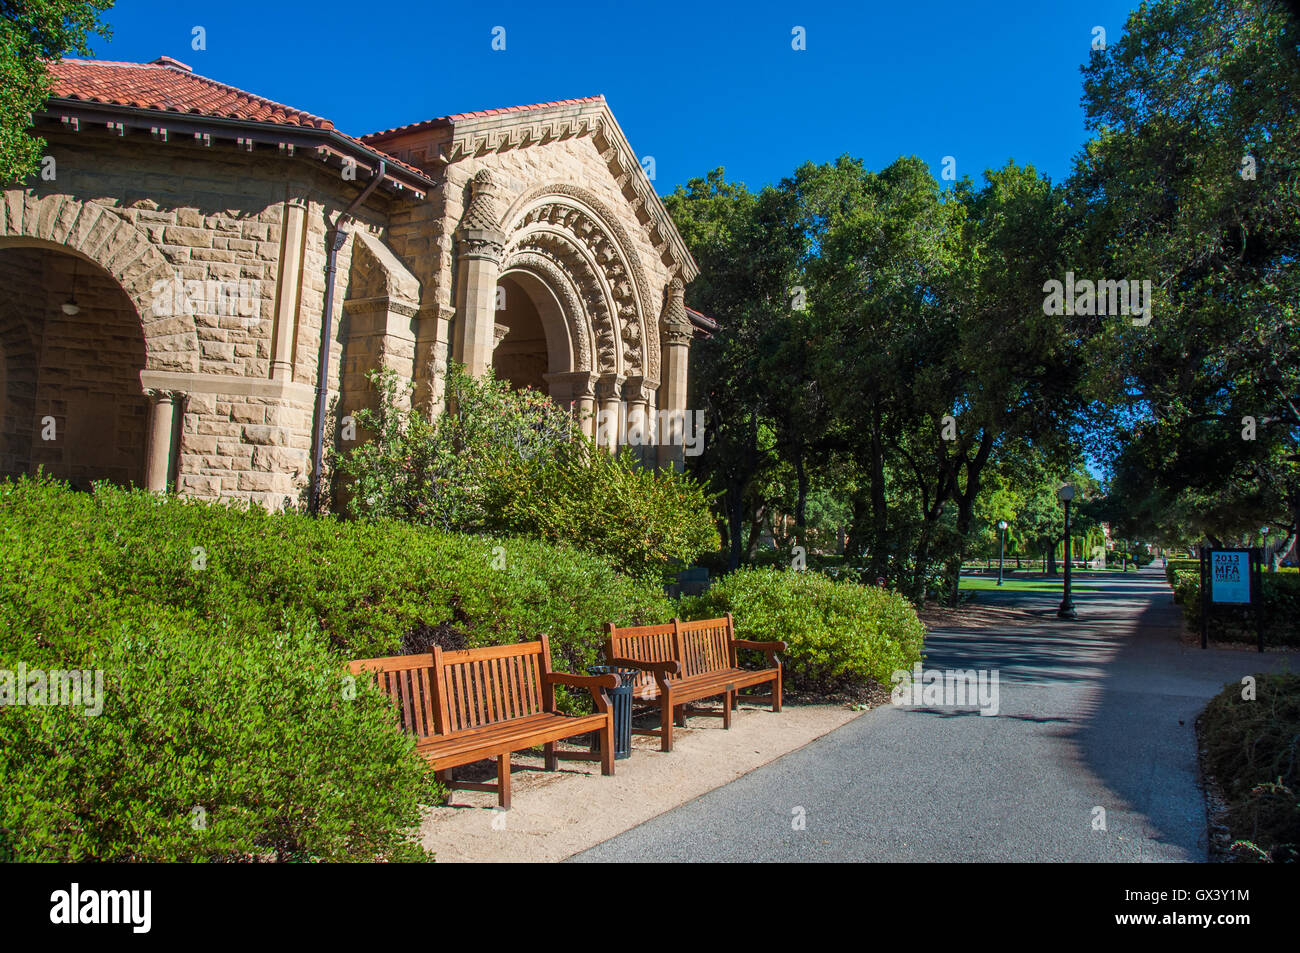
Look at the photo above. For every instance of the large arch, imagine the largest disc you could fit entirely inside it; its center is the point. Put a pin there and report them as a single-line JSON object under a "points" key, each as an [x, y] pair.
{"points": [[107, 238], [582, 233], [72, 349]]}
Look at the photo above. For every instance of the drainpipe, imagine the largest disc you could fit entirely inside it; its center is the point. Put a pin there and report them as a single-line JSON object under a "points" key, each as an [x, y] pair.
{"points": [[334, 240]]}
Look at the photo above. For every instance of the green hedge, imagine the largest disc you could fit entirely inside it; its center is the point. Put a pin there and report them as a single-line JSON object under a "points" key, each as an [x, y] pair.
{"points": [[222, 633], [1250, 749], [1176, 566], [1280, 605], [842, 636]]}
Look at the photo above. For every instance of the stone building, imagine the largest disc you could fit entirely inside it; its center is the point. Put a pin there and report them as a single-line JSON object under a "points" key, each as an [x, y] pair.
{"points": [[170, 274]]}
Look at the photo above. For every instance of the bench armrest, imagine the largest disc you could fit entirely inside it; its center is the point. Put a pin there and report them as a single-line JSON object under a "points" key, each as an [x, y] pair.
{"points": [[669, 667], [759, 646], [591, 682]]}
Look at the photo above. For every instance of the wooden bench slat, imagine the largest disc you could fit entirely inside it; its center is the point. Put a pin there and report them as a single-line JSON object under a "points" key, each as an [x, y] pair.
{"points": [[706, 653], [467, 705]]}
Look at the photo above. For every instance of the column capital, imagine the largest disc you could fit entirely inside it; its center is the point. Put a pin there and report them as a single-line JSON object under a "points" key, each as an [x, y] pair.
{"points": [[609, 386], [637, 390], [163, 395], [580, 384], [482, 244], [674, 326]]}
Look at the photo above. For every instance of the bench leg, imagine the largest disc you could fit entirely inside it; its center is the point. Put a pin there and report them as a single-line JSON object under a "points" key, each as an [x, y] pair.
{"points": [[607, 747], [666, 725], [679, 715], [503, 781], [776, 692], [445, 779], [552, 762], [726, 708]]}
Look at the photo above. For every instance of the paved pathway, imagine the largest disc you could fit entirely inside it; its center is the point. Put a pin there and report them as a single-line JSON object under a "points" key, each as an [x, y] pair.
{"points": [[1093, 713]]}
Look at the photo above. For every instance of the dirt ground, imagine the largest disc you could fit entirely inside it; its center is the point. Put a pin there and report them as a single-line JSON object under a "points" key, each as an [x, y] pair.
{"points": [[556, 814]]}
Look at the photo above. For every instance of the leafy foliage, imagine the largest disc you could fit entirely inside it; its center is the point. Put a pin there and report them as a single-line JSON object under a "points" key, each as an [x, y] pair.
{"points": [[514, 462], [32, 33], [842, 636], [1250, 749], [222, 633]]}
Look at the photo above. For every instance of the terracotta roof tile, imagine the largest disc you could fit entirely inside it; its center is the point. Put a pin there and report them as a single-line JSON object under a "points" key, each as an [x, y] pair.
{"points": [[702, 321], [169, 85]]}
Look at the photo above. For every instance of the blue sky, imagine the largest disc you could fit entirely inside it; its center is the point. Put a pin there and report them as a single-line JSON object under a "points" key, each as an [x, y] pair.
{"points": [[695, 85]]}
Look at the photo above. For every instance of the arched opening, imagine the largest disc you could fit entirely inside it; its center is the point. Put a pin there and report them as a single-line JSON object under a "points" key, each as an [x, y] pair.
{"points": [[72, 350], [533, 338], [521, 356]]}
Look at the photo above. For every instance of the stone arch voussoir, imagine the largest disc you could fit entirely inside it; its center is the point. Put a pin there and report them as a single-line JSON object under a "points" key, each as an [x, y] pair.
{"points": [[105, 237]]}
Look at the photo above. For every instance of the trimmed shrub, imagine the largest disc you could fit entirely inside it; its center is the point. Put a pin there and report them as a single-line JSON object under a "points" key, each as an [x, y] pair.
{"points": [[1176, 566], [212, 744], [1250, 748], [842, 636], [222, 633]]}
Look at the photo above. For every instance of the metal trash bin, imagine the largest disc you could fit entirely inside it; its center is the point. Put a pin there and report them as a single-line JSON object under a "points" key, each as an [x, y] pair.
{"points": [[620, 704]]}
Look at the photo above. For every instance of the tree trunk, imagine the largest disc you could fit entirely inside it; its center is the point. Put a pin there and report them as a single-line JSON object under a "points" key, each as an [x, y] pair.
{"points": [[879, 510], [735, 527], [801, 503]]}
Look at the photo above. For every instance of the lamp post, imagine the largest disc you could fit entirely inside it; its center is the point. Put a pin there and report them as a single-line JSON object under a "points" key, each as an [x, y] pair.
{"points": [[1002, 541], [1263, 546], [1066, 611]]}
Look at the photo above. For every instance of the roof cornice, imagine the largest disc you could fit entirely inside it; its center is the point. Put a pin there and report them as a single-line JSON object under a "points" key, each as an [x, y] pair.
{"points": [[480, 133], [327, 144]]}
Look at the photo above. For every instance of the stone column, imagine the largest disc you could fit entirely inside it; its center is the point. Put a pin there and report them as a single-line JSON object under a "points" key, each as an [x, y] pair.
{"points": [[162, 428], [609, 405], [675, 334], [639, 433], [576, 390], [479, 247]]}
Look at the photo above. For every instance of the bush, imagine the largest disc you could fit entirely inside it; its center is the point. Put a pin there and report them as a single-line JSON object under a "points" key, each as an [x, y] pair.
{"points": [[842, 636], [220, 606], [1176, 566], [1279, 605], [512, 462], [211, 745], [1250, 748]]}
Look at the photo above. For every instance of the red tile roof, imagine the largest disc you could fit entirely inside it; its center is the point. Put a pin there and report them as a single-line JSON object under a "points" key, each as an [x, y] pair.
{"points": [[477, 114], [169, 85], [702, 321]]}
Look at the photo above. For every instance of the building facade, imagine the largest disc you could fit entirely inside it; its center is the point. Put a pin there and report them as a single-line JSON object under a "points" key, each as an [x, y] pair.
{"points": [[196, 272]]}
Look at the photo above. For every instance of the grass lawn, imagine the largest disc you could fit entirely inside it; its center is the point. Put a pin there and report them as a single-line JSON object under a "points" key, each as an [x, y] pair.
{"points": [[1032, 585]]}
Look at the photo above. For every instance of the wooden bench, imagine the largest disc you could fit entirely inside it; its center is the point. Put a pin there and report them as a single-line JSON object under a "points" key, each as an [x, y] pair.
{"points": [[487, 703], [682, 662]]}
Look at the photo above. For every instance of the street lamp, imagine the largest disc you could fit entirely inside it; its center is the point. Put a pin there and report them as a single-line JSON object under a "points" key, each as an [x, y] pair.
{"points": [[1066, 611], [1002, 539]]}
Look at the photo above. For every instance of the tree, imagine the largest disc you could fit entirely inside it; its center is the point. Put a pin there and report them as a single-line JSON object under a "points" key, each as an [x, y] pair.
{"points": [[32, 33], [1193, 183], [749, 256]]}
